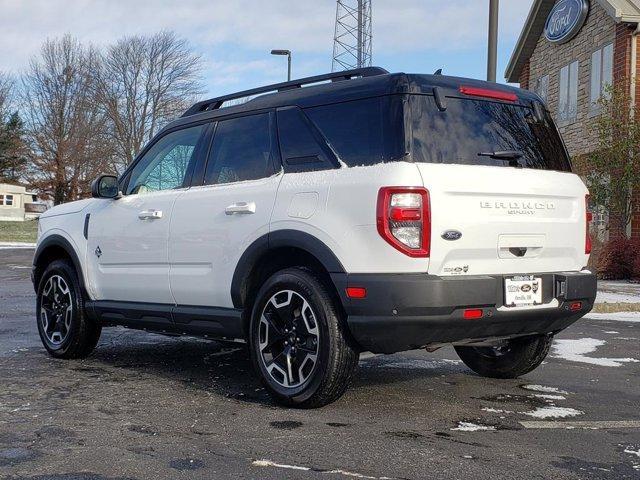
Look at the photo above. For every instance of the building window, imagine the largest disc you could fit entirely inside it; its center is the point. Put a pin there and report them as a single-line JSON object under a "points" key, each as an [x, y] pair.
{"points": [[542, 88], [568, 103], [6, 200], [601, 75]]}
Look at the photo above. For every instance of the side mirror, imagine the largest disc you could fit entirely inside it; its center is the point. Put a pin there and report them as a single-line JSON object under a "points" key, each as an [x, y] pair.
{"points": [[105, 186]]}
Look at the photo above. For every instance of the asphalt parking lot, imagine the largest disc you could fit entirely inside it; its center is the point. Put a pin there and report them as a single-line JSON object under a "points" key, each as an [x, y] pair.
{"points": [[151, 407]]}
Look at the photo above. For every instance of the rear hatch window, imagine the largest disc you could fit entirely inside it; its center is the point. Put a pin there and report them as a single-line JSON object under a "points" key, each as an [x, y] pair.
{"points": [[481, 132]]}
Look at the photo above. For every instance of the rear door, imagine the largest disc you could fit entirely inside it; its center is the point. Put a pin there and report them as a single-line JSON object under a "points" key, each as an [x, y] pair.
{"points": [[518, 212], [215, 222]]}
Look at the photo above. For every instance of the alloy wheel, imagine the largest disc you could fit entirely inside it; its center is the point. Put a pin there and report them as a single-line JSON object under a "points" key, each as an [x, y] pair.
{"points": [[56, 309], [288, 339]]}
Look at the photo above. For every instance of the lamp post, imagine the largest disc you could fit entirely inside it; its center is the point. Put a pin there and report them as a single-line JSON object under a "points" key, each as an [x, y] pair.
{"points": [[492, 57], [288, 54]]}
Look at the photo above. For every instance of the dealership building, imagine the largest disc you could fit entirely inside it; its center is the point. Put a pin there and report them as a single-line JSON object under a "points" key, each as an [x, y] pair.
{"points": [[569, 52]]}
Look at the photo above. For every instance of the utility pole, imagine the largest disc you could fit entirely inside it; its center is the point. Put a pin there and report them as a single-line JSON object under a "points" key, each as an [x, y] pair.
{"points": [[492, 57]]}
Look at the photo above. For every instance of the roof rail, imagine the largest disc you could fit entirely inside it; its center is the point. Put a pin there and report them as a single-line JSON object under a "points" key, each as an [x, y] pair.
{"points": [[215, 103]]}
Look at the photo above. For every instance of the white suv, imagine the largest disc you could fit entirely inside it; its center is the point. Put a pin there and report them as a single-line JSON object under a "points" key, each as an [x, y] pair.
{"points": [[349, 212]]}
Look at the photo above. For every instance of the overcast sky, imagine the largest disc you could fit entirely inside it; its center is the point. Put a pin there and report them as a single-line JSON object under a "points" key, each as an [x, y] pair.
{"points": [[234, 37]]}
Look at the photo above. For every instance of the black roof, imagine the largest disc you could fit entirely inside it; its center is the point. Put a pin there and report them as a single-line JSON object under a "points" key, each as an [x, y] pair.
{"points": [[340, 87]]}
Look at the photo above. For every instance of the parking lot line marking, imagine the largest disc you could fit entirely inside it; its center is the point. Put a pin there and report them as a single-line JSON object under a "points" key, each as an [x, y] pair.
{"points": [[585, 424]]}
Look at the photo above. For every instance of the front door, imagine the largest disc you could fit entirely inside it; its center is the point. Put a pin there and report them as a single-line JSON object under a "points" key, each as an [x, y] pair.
{"points": [[127, 248]]}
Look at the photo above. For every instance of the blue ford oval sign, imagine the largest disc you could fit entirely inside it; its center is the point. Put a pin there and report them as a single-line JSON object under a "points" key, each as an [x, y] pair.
{"points": [[565, 20]]}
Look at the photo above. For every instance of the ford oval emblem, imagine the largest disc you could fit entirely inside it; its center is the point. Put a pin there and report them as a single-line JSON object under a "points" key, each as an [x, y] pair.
{"points": [[452, 235]]}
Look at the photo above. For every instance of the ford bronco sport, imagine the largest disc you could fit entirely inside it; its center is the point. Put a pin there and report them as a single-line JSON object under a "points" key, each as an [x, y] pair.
{"points": [[349, 212]]}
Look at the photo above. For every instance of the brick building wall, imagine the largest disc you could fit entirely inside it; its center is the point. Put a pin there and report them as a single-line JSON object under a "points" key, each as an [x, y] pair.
{"points": [[548, 58]]}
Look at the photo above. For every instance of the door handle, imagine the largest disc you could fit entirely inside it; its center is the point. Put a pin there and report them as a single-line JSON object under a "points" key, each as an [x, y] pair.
{"points": [[241, 208], [150, 214]]}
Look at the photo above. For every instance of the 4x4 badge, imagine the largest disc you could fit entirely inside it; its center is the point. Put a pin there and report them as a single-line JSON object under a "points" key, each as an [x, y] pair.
{"points": [[98, 252]]}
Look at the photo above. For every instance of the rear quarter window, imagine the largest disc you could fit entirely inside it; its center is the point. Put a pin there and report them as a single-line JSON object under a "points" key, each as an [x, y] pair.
{"points": [[469, 127], [363, 132]]}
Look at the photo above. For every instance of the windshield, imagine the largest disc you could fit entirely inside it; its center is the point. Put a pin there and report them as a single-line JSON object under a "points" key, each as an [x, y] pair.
{"points": [[480, 132]]}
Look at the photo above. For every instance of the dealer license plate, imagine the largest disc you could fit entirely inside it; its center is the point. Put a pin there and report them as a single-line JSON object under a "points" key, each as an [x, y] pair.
{"points": [[522, 291]]}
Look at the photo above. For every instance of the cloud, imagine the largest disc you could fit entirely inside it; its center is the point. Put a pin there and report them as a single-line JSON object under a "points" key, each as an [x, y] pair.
{"points": [[304, 26]]}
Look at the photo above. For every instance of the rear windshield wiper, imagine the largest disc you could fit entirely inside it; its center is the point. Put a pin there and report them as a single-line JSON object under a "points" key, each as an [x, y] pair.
{"points": [[511, 155], [505, 155]]}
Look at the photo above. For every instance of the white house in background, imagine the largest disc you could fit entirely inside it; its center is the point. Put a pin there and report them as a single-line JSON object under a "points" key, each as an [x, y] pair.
{"points": [[17, 204]]}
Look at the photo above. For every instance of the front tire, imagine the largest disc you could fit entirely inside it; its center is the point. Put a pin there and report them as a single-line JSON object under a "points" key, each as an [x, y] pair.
{"points": [[64, 329], [299, 344], [511, 359]]}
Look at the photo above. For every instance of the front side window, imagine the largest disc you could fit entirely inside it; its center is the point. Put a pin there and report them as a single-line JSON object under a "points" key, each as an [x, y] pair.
{"points": [[568, 95], [542, 88], [166, 163], [242, 150], [601, 75]]}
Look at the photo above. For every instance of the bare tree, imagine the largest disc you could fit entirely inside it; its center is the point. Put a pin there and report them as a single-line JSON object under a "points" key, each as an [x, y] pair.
{"points": [[66, 129], [145, 82], [614, 168], [6, 96]]}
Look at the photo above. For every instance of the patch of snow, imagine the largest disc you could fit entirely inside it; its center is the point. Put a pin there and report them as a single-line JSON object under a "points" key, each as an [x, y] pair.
{"points": [[546, 396], [542, 388], [472, 427], [496, 410], [576, 351], [554, 412], [612, 332], [13, 245], [617, 297], [631, 317]]}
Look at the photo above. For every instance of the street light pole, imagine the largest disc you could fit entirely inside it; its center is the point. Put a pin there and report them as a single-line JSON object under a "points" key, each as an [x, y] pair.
{"points": [[288, 54], [492, 57]]}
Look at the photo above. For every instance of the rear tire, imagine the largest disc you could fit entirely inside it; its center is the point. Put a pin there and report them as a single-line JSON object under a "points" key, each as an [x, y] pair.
{"points": [[64, 329], [515, 358], [299, 343]]}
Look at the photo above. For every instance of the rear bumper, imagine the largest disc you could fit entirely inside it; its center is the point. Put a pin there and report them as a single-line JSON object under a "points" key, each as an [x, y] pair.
{"points": [[408, 311]]}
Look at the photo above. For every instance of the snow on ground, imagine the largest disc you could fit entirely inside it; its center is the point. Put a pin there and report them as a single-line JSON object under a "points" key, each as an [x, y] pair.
{"points": [[13, 245], [632, 317], [576, 351], [618, 292], [554, 412], [542, 388], [472, 427], [631, 451]]}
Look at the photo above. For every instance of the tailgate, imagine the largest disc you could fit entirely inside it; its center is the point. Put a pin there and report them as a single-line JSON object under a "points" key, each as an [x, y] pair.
{"points": [[512, 220]]}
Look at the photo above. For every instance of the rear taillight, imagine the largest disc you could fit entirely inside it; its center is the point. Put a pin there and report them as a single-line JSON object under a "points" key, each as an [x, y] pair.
{"points": [[404, 219], [588, 218]]}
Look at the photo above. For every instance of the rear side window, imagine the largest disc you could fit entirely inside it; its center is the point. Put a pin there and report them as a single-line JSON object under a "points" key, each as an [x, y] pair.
{"points": [[363, 132], [242, 150], [302, 146], [470, 127]]}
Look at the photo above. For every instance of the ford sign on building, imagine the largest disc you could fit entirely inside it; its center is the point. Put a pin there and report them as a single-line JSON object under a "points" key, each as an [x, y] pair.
{"points": [[565, 20], [571, 52]]}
